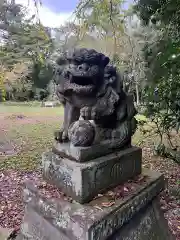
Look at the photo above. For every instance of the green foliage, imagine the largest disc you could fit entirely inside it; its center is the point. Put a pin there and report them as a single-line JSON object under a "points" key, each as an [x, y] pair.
{"points": [[141, 118], [163, 109], [26, 44], [163, 76], [164, 11], [2, 88], [162, 55], [163, 103], [101, 14], [104, 17], [41, 75], [2, 95], [120, 37]]}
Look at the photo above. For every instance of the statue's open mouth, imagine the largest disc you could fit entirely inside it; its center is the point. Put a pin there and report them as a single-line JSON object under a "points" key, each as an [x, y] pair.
{"points": [[83, 81]]}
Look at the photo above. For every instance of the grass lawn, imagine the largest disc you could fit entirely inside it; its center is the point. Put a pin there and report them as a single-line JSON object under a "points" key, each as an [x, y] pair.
{"points": [[31, 111], [31, 134]]}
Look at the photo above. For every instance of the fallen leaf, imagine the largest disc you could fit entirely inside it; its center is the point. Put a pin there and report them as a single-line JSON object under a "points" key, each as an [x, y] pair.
{"points": [[100, 195], [107, 204], [126, 189], [110, 193], [98, 207]]}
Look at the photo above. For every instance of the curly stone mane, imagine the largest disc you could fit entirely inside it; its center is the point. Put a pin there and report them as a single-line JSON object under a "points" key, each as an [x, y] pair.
{"points": [[87, 55]]}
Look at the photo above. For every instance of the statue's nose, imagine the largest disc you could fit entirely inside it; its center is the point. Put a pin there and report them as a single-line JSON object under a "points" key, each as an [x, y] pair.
{"points": [[83, 67]]}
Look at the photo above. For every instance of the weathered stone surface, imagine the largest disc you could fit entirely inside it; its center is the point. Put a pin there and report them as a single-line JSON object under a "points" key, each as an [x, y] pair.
{"points": [[148, 224], [83, 154], [91, 89], [74, 221], [83, 181], [34, 226], [21, 237]]}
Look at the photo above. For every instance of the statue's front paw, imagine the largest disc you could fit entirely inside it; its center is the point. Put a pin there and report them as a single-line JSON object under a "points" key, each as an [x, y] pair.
{"points": [[94, 113], [85, 113], [61, 135], [88, 113]]}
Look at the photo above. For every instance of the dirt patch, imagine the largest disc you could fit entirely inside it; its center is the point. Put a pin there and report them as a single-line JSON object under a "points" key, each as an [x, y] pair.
{"points": [[11, 120], [15, 117], [8, 148], [22, 119]]}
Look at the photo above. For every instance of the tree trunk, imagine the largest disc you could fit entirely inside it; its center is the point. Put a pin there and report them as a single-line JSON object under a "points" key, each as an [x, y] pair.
{"points": [[137, 95]]}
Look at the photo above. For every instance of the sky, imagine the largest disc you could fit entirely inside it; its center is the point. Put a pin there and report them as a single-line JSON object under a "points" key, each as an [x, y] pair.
{"points": [[53, 13], [61, 5]]}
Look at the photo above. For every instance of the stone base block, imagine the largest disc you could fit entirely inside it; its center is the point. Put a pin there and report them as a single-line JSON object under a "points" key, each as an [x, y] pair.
{"points": [[21, 237], [84, 154], [83, 181], [148, 224], [59, 219]]}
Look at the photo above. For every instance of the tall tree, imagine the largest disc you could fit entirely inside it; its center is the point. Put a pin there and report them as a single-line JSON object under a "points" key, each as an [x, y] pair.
{"points": [[24, 42], [136, 37], [21, 39], [118, 37], [104, 18]]}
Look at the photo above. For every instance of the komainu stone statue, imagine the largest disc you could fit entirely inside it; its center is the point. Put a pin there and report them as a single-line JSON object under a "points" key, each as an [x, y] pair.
{"points": [[95, 106], [92, 157]]}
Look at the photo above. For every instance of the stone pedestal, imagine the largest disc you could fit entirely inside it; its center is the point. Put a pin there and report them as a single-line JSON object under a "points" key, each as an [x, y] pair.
{"points": [[90, 216], [59, 219], [148, 224], [84, 154], [83, 181]]}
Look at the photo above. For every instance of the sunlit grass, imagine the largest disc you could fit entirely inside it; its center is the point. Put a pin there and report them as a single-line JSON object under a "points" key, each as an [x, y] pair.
{"points": [[31, 138], [31, 111]]}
